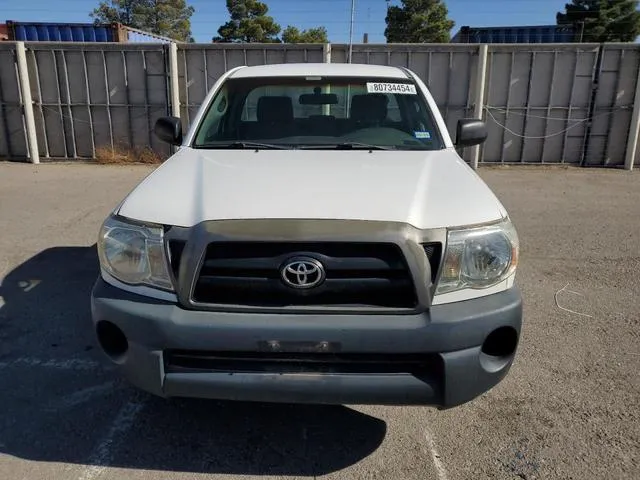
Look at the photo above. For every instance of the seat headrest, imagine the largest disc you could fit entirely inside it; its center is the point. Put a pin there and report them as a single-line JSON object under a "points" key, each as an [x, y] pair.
{"points": [[275, 109], [369, 107]]}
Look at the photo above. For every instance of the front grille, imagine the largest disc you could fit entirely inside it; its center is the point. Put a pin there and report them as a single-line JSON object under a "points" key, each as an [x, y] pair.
{"points": [[373, 275], [184, 361], [176, 247], [434, 253]]}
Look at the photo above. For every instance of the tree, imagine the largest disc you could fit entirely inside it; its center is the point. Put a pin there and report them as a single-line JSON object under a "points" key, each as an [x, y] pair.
{"points": [[602, 20], [418, 21], [169, 18], [127, 12], [313, 35], [249, 23]]}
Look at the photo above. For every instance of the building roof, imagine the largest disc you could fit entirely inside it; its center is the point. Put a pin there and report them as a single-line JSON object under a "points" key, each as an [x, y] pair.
{"points": [[319, 69], [515, 34]]}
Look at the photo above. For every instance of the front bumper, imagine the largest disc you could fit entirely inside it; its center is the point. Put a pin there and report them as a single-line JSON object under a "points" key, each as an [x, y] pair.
{"points": [[459, 362]]}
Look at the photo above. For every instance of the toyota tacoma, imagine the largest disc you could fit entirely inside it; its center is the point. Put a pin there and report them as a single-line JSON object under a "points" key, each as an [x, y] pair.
{"points": [[315, 238]]}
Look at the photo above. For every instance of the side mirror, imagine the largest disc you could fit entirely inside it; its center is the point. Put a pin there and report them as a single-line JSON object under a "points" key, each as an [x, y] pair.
{"points": [[470, 131], [169, 129]]}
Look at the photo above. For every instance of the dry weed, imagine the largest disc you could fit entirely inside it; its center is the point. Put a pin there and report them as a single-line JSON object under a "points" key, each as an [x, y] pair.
{"points": [[106, 155]]}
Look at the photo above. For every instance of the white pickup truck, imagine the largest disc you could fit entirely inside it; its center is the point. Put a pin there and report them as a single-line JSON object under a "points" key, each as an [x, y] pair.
{"points": [[315, 238]]}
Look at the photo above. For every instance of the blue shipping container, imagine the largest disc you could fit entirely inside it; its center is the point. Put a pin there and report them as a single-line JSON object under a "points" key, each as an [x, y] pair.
{"points": [[61, 32], [524, 34]]}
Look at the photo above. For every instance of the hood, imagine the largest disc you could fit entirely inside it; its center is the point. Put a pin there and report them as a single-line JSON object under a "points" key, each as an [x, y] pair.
{"points": [[426, 189]]}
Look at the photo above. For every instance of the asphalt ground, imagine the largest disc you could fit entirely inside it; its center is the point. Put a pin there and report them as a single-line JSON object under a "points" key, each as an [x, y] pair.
{"points": [[569, 408]]}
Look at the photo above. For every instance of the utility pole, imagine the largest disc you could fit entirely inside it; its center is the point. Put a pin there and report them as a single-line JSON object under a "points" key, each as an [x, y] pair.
{"points": [[353, 15]]}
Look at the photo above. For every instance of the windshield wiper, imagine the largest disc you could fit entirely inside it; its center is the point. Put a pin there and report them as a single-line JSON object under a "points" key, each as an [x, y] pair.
{"points": [[354, 145], [348, 146], [240, 145]]}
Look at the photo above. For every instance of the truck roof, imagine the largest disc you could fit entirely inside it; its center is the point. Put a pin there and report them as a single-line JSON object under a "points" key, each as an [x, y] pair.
{"points": [[320, 69]]}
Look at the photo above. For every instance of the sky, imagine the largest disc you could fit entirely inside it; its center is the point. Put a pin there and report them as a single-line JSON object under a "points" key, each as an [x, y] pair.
{"points": [[333, 14]]}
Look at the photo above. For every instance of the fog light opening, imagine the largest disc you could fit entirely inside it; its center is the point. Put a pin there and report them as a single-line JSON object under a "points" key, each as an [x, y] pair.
{"points": [[112, 340], [501, 342], [498, 348]]}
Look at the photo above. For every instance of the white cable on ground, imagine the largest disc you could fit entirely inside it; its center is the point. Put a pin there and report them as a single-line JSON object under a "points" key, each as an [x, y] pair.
{"points": [[564, 289]]}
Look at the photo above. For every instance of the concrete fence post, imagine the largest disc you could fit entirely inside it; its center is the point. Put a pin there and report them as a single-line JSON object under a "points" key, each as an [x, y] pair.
{"points": [[174, 86], [27, 103], [326, 53], [634, 128], [478, 110], [326, 58]]}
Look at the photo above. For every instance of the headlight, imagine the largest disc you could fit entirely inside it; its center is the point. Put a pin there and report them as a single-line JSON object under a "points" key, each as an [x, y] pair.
{"points": [[134, 254], [478, 257]]}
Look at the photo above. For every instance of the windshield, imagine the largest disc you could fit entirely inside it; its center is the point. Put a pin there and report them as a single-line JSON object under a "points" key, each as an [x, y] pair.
{"points": [[318, 113]]}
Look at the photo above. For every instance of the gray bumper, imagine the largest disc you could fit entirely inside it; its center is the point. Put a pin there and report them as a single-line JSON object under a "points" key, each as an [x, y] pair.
{"points": [[451, 337]]}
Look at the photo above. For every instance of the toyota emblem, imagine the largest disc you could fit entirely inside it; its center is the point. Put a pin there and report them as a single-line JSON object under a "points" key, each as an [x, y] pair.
{"points": [[303, 272]]}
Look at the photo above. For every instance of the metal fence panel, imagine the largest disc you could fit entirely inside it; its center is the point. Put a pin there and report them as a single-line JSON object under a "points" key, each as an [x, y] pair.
{"points": [[613, 105], [13, 142], [448, 70], [537, 100], [89, 96], [199, 66]]}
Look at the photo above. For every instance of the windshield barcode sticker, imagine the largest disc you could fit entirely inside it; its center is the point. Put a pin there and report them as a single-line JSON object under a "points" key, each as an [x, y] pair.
{"points": [[422, 135], [401, 88]]}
